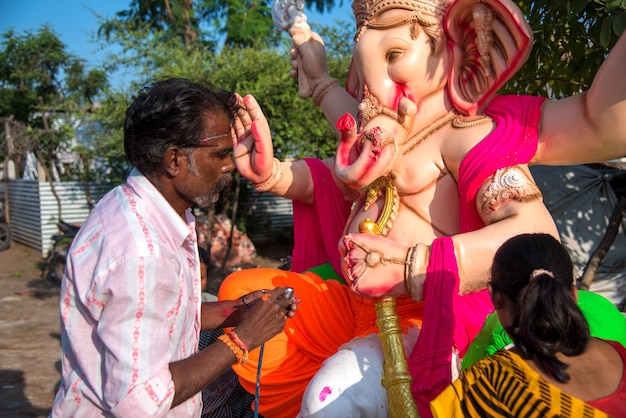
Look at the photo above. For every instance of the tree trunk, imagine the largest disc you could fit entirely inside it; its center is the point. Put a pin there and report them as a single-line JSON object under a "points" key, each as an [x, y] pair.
{"points": [[609, 236], [233, 217]]}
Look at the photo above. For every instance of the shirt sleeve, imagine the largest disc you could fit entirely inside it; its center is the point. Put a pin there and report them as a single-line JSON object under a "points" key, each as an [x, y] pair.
{"points": [[448, 403], [471, 390], [140, 302]]}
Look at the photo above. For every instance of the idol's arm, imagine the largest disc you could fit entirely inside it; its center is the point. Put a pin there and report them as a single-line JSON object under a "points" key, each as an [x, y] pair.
{"points": [[588, 127], [309, 61]]}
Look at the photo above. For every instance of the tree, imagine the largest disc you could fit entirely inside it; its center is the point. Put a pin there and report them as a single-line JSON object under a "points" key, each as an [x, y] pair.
{"points": [[243, 23], [44, 88], [175, 18], [572, 39], [299, 128]]}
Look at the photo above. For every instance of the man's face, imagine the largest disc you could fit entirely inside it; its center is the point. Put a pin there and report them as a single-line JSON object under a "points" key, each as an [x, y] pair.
{"points": [[210, 164]]}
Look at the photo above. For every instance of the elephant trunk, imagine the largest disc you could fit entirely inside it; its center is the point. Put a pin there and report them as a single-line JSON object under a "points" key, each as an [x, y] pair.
{"points": [[374, 151]]}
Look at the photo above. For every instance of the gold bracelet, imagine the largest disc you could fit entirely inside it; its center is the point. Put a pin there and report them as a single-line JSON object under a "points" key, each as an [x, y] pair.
{"points": [[417, 263], [321, 88], [239, 353], [407, 269], [271, 181]]}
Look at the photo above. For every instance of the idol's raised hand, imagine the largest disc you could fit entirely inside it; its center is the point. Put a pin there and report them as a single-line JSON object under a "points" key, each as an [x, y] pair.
{"points": [[252, 141], [308, 59]]}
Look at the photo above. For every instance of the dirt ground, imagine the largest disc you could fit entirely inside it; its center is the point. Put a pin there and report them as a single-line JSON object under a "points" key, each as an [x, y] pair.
{"points": [[30, 345]]}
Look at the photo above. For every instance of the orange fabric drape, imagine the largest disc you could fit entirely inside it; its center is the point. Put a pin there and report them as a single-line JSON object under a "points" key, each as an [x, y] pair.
{"points": [[328, 316]]}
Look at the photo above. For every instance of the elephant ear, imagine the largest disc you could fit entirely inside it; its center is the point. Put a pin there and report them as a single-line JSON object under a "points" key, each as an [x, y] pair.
{"points": [[489, 41]]}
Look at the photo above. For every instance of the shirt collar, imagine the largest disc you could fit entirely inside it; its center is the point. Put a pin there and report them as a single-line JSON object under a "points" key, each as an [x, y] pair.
{"points": [[179, 229]]}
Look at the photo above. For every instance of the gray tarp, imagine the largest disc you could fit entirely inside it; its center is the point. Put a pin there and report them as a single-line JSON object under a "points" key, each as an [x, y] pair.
{"points": [[581, 201]]}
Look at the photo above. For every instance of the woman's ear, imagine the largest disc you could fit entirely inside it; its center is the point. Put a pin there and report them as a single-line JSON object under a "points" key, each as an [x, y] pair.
{"points": [[496, 298], [489, 41]]}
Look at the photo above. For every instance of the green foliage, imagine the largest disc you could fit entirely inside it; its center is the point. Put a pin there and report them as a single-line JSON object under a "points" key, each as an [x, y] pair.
{"points": [[37, 72], [49, 143], [238, 23], [572, 39], [176, 18], [44, 92], [249, 23], [29, 67], [109, 139], [299, 129]]}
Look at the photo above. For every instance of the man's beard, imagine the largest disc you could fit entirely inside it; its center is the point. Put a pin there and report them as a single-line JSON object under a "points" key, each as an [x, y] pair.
{"points": [[213, 195]]}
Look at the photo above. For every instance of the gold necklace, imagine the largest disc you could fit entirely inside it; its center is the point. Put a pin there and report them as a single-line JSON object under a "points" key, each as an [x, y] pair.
{"points": [[385, 221], [427, 131], [460, 122]]}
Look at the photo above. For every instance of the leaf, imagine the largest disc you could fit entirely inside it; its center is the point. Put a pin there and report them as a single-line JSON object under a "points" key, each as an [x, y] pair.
{"points": [[619, 23], [578, 6], [612, 5], [605, 32]]}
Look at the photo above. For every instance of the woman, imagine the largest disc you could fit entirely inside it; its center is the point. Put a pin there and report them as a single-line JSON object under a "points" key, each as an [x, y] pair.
{"points": [[554, 366]]}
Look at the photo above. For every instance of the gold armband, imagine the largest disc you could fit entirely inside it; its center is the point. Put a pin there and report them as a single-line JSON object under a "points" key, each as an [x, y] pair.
{"points": [[510, 183]]}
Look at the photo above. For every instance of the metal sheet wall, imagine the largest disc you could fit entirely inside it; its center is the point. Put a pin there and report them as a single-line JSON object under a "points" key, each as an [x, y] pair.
{"points": [[271, 217], [34, 212]]}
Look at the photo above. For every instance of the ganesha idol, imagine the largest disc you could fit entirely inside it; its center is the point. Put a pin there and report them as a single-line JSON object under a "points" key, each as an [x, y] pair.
{"points": [[429, 179]]}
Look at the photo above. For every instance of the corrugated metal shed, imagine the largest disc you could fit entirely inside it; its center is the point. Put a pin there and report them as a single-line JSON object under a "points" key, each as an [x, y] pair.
{"points": [[271, 216], [34, 212]]}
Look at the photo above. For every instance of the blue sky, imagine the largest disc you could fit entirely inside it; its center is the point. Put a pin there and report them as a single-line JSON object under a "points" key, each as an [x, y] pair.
{"points": [[75, 24]]}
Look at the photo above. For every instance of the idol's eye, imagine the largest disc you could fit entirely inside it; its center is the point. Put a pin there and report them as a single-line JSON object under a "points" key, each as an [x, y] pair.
{"points": [[393, 55]]}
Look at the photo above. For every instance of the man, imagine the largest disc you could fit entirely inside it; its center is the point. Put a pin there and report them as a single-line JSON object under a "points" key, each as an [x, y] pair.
{"points": [[130, 299]]}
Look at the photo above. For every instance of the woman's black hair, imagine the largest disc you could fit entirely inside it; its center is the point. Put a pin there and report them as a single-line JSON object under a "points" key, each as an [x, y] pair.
{"points": [[535, 272], [170, 113]]}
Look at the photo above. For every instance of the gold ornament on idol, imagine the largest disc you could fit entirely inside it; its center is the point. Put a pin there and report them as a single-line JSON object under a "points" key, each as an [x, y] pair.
{"points": [[397, 379], [425, 13], [384, 223]]}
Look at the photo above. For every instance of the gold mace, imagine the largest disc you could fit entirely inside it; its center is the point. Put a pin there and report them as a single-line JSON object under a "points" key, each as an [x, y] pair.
{"points": [[396, 377]]}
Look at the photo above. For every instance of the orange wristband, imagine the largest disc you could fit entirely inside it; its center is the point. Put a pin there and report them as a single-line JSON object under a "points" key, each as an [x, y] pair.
{"points": [[237, 341], [242, 356]]}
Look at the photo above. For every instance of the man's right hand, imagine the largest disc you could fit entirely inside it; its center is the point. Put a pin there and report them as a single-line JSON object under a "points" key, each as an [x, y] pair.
{"points": [[266, 317]]}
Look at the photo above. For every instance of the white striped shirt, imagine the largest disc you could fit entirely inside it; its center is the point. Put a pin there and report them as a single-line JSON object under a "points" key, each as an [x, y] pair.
{"points": [[130, 305]]}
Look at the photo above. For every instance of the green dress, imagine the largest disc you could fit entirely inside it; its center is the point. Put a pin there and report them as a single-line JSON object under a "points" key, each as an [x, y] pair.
{"points": [[605, 321]]}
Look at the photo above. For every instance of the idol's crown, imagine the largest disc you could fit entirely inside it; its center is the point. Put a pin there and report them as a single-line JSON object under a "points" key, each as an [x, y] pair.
{"points": [[366, 10]]}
